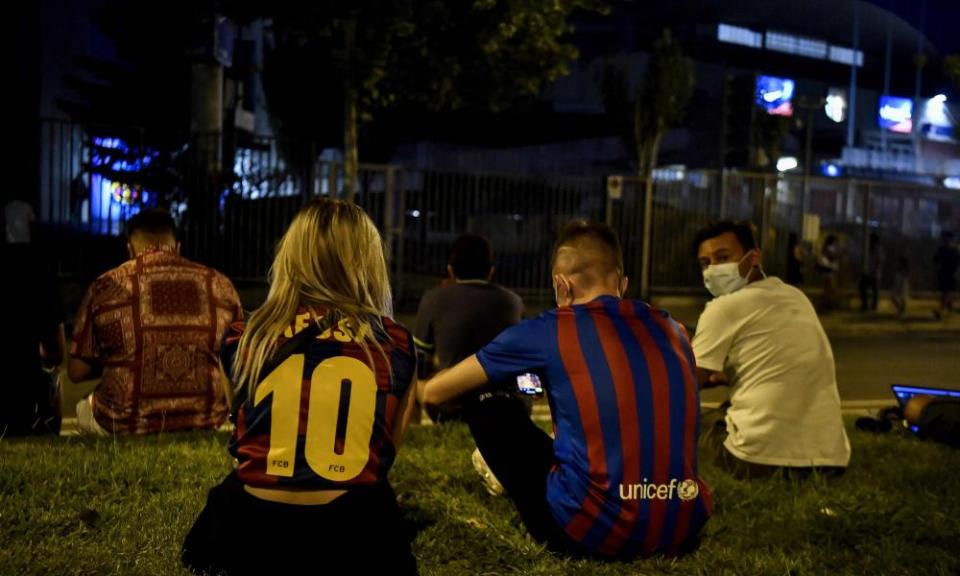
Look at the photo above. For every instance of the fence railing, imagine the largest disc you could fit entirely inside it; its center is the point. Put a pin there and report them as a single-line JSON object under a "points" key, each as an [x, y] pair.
{"points": [[93, 180]]}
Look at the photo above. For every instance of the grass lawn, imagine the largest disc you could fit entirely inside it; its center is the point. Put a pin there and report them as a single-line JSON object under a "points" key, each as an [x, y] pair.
{"points": [[122, 506]]}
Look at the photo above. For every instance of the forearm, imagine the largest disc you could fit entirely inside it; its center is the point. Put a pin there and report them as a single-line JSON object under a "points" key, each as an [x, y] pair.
{"points": [[454, 382], [80, 369], [404, 413], [52, 348]]}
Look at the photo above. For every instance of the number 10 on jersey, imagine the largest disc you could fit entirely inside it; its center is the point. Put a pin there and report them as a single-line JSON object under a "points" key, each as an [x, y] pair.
{"points": [[340, 416]]}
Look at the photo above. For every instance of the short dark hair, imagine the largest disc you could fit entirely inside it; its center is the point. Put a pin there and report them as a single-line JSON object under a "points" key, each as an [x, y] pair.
{"points": [[471, 257], [153, 221], [579, 230], [742, 229]]}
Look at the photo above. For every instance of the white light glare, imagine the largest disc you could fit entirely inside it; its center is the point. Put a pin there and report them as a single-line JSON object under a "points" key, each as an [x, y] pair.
{"points": [[786, 163]]}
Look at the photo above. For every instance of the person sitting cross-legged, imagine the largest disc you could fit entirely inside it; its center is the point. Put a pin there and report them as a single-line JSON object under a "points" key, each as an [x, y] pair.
{"points": [[619, 480]]}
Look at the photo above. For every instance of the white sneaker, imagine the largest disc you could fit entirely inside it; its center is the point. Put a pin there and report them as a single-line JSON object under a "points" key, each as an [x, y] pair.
{"points": [[490, 482]]}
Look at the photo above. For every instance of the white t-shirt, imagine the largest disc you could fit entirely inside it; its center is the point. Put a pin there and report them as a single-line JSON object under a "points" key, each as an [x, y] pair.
{"points": [[784, 405]]}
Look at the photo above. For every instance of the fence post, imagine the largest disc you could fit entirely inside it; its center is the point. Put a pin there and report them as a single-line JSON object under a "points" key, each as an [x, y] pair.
{"points": [[724, 187], [400, 195], [770, 191], [804, 204], [865, 252], [311, 174], [647, 238], [764, 217], [388, 213], [614, 191], [332, 180]]}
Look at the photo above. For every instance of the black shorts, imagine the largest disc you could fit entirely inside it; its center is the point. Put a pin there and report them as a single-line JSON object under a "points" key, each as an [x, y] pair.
{"points": [[360, 532], [521, 456]]}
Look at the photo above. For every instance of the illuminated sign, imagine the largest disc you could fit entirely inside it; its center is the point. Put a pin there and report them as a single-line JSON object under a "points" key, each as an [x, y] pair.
{"points": [[775, 95], [896, 114]]}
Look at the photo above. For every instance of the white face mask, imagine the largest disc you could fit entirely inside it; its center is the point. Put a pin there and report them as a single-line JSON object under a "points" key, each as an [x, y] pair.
{"points": [[723, 279]]}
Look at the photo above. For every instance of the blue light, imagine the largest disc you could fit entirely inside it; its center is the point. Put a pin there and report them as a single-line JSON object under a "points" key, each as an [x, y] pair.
{"points": [[830, 170], [113, 202], [110, 143], [896, 114], [775, 95]]}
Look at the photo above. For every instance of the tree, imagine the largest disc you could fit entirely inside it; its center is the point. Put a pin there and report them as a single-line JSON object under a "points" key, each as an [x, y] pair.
{"points": [[662, 99], [951, 68], [618, 105], [769, 130], [439, 55]]}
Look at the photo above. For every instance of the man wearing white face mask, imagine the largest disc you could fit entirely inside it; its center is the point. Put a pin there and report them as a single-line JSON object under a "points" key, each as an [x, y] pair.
{"points": [[763, 338]]}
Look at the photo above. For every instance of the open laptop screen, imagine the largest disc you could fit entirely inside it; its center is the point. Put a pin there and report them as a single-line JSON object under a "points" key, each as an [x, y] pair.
{"points": [[905, 393]]}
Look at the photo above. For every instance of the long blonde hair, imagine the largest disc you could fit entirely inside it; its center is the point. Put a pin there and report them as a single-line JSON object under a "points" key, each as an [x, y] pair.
{"points": [[331, 257]]}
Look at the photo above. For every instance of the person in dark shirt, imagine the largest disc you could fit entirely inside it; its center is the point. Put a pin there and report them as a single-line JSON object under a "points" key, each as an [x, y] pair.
{"points": [[936, 419], [458, 318], [870, 275], [947, 259]]}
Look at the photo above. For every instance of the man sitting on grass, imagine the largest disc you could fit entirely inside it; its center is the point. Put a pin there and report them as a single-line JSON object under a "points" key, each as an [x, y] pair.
{"points": [[152, 328], [764, 339], [938, 419], [457, 319], [620, 478]]}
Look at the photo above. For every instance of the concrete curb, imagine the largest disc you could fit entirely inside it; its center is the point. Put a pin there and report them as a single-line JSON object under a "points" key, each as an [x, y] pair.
{"points": [[541, 413]]}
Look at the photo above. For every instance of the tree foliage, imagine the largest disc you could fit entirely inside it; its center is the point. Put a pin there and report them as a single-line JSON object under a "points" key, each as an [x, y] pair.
{"points": [[660, 101], [432, 54]]}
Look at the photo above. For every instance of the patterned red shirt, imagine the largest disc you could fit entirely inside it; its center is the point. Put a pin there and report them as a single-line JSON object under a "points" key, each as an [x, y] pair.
{"points": [[155, 324]]}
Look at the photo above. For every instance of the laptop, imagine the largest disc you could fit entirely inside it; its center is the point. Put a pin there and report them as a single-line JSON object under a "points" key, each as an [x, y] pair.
{"points": [[905, 393]]}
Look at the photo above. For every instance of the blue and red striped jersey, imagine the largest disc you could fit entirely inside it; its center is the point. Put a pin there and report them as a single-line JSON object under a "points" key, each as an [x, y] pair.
{"points": [[621, 382], [324, 417]]}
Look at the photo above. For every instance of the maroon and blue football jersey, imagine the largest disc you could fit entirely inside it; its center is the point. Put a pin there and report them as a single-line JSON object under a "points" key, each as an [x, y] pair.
{"points": [[323, 418], [621, 382]]}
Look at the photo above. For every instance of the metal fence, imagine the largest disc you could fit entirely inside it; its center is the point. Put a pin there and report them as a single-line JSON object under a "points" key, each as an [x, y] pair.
{"points": [[93, 179], [907, 219]]}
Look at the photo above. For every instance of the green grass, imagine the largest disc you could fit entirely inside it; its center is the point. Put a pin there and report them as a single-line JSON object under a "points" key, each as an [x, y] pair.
{"points": [[122, 506]]}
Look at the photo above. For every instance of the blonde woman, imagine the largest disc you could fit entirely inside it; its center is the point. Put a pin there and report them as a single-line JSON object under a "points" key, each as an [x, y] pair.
{"points": [[322, 381]]}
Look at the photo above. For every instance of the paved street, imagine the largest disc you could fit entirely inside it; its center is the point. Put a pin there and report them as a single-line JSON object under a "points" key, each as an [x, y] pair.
{"points": [[867, 365]]}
